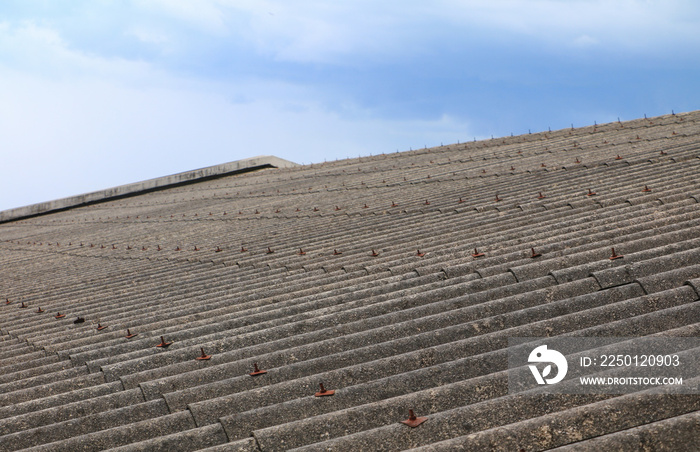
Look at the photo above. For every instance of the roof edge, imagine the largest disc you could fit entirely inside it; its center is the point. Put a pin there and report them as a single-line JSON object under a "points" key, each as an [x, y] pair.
{"points": [[136, 188]]}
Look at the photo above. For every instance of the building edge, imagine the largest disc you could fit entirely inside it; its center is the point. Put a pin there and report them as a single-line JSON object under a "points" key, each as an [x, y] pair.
{"points": [[137, 188]]}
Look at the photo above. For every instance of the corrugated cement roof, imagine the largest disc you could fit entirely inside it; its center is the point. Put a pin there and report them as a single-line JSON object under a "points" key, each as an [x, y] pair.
{"points": [[395, 281]]}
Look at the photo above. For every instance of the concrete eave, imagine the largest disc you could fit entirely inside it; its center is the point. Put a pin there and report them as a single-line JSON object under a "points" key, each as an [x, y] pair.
{"points": [[159, 183]]}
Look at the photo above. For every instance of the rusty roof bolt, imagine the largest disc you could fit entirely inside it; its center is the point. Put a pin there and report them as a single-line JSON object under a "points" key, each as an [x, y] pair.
{"points": [[615, 256], [7, 301], [419, 254], [393, 204], [59, 315], [374, 253], [663, 152], [543, 165], [218, 250], [301, 252], [476, 253], [269, 251], [497, 199], [337, 208], [427, 203], [129, 334], [243, 250], [159, 248], [618, 157], [460, 201], [177, 248], [164, 344], [646, 189], [413, 421], [534, 255], [577, 160], [541, 196], [100, 327], [23, 306], [324, 392], [195, 248], [590, 193], [203, 356], [298, 210], [365, 206], [256, 211], [114, 247], [512, 168], [315, 209], [256, 371], [277, 211], [143, 248], [39, 310], [337, 253]]}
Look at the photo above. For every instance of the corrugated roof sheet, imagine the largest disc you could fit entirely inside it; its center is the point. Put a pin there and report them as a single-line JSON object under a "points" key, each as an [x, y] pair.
{"points": [[394, 280]]}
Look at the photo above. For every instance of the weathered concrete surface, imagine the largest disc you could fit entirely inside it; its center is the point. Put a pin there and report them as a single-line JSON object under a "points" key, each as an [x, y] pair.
{"points": [[225, 169]]}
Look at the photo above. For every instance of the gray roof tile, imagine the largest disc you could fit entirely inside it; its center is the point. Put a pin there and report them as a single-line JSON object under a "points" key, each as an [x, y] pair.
{"points": [[389, 332]]}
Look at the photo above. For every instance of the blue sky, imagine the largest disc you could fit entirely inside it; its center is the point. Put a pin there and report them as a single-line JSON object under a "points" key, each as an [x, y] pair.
{"points": [[99, 93]]}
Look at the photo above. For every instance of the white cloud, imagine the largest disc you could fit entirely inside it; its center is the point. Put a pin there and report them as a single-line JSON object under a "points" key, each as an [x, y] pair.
{"points": [[206, 16], [585, 41]]}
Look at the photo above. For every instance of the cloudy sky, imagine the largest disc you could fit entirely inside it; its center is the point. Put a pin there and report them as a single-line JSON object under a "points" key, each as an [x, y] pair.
{"points": [[98, 93]]}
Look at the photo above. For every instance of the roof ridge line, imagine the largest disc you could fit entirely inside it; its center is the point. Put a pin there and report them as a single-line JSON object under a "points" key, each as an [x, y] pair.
{"points": [[137, 188]]}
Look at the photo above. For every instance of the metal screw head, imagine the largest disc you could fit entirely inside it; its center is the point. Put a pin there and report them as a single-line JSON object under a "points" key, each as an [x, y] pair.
{"points": [[164, 344], [413, 421], [324, 392], [203, 356], [615, 255], [256, 371]]}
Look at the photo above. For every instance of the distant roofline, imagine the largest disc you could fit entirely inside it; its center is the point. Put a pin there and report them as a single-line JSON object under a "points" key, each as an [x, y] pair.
{"points": [[159, 183]]}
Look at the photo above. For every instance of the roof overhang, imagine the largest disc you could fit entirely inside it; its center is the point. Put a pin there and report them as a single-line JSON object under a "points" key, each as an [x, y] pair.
{"points": [[160, 183]]}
